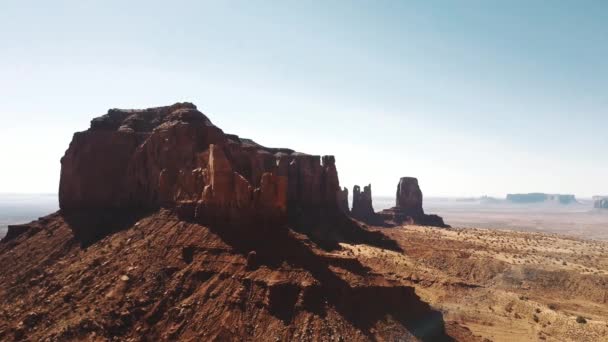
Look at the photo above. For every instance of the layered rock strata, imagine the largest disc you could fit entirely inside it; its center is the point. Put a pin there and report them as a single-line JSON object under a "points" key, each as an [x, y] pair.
{"points": [[175, 157]]}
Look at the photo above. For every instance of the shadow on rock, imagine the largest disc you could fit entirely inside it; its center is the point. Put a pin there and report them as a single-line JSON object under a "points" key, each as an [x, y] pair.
{"points": [[90, 226], [328, 228], [362, 304]]}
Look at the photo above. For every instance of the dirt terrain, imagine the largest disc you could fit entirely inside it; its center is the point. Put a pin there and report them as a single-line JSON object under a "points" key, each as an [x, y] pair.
{"points": [[502, 285], [160, 278]]}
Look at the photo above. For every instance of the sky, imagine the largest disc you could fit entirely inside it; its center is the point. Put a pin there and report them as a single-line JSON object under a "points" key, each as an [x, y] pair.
{"points": [[471, 97]]}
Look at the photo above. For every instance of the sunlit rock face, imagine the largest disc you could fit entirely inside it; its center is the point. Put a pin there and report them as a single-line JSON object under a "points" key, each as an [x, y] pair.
{"points": [[175, 157]]}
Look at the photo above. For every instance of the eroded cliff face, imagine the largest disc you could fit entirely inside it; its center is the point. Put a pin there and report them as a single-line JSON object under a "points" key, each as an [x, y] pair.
{"points": [[175, 157], [362, 203]]}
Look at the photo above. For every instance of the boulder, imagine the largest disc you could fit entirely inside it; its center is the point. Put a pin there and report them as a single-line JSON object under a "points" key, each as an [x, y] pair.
{"points": [[538, 197]]}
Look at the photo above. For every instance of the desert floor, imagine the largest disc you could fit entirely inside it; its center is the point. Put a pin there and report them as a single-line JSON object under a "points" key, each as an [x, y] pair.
{"points": [[502, 285]]}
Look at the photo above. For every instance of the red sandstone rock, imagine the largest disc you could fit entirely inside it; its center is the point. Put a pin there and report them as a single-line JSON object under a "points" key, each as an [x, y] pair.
{"points": [[175, 157], [409, 206], [409, 196], [362, 203], [162, 278], [343, 200]]}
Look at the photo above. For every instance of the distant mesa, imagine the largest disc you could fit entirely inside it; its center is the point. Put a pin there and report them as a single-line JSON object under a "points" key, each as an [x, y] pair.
{"points": [[538, 197], [408, 207], [600, 202], [480, 200]]}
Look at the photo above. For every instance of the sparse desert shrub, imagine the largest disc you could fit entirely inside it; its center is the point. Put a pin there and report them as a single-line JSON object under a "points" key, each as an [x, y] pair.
{"points": [[581, 319], [535, 318], [537, 310]]}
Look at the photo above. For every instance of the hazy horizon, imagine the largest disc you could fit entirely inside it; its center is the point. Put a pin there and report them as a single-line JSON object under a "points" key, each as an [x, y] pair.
{"points": [[472, 98], [383, 196], [578, 220]]}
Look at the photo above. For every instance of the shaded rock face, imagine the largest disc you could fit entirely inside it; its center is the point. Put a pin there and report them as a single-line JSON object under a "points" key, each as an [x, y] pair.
{"points": [[175, 157], [409, 196], [343, 200], [600, 202], [409, 206], [362, 203]]}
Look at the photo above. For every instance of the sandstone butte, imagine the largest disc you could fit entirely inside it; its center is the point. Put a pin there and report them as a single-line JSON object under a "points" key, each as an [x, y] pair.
{"points": [[170, 229], [362, 203], [407, 210], [174, 157]]}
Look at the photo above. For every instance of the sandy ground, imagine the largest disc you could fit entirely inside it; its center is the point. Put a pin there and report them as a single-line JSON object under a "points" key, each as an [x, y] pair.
{"points": [[503, 285]]}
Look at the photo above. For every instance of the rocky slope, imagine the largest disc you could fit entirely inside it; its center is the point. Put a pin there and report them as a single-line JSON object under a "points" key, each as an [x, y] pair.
{"points": [[171, 229]]}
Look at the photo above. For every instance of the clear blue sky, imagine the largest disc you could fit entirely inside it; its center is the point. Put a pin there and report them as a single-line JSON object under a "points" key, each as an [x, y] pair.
{"points": [[472, 97]]}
